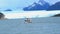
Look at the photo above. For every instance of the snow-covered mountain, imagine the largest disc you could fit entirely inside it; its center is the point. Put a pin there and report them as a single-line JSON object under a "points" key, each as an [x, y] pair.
{"points": [[17, 4]]}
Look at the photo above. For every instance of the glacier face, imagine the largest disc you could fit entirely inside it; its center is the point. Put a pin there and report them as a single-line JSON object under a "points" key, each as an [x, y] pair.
{"points": [[29, 14]]}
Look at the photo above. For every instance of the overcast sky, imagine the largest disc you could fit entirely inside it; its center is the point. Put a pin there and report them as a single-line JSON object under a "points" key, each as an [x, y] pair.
{"points": [[20, 3]]}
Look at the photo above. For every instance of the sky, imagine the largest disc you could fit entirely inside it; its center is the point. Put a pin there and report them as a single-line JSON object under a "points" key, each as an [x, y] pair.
{"points": [[19, 4]]}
